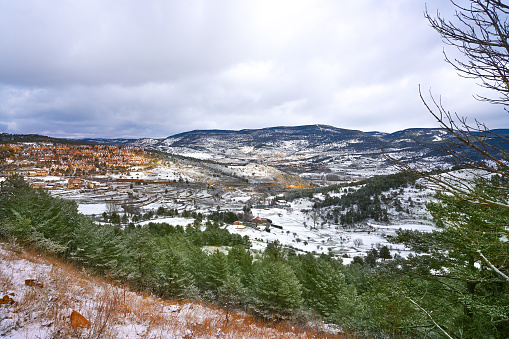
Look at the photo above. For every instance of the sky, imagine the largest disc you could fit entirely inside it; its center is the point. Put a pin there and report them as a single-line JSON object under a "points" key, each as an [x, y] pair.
{"points": [[155, 68]]}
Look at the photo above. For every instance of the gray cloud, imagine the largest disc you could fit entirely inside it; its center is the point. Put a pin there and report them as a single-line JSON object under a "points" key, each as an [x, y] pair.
{"points": [[107, 68]]}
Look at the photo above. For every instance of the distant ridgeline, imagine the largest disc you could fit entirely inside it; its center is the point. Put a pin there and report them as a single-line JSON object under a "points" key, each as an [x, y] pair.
{"points": [[324, 141], [12, 138]]}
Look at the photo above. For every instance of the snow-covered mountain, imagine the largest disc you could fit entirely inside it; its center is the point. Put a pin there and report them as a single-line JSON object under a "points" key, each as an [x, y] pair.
{"points": [[288, 139], [313, 151]]}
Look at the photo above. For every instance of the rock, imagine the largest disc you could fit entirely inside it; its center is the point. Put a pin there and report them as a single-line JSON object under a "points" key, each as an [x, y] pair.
{"points": [[77, 320], [6, 300], [34, 282]]}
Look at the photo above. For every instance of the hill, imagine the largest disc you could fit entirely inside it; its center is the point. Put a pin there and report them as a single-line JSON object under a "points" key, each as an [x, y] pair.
{"points": [[313, 151], [43, 308]]}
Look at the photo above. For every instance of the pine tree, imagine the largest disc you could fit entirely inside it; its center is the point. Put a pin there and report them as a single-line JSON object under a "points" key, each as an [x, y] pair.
{"points": [[463, 262], [467, 264], [240, 262], [217, 271], [173, 276], [277, 289], [384, 253], [323, 286]]}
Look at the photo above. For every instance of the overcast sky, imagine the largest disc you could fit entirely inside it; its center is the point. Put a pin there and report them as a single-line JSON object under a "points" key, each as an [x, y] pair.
{"points": [[154, 68]]}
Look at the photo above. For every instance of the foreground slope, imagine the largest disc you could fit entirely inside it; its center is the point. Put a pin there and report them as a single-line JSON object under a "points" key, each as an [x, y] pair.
{"points": [[43, 310]]}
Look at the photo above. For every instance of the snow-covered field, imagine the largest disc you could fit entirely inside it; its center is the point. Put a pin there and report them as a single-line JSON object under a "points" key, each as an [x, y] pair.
{"points": [[296, 226], [299, 232], [92, 209], [168, 172]]}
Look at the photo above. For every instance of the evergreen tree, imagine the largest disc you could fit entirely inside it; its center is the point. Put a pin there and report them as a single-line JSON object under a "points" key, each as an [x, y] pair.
{"points": [[217, 272], [467, 261], [277, 289], [240, 262], [324, 287], [384, 253], [174, 279], [197, 260]]}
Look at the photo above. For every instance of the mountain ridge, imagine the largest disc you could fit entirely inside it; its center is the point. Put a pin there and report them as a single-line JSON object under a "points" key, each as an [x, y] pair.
{"points": [[310, 151]]}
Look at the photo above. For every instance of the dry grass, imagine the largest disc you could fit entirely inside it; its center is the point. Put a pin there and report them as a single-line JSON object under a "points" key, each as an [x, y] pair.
{"points": [[113, 312]]}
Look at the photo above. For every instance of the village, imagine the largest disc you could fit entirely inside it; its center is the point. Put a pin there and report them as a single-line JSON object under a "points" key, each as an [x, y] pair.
{"points": [[39, 159]]}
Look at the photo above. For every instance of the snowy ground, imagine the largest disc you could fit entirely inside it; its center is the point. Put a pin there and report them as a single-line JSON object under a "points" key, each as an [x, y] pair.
{"points": [[177, 221], [92, 209], [299, 230], [168, 172], [331, 239]]}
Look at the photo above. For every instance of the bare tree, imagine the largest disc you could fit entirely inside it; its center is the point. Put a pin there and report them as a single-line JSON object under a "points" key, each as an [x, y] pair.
{"points": [[480, 34], [315, 215], [111, 207], [129, 206], [477, 149]]}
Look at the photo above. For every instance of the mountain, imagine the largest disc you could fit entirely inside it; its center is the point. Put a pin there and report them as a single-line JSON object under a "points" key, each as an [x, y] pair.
{"points": [[12, 138], [312, 150], [309, 138], [102, 141]]}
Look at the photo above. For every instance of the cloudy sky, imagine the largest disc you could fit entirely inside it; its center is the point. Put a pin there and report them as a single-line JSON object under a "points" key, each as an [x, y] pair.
{"points": [[154, 68]]}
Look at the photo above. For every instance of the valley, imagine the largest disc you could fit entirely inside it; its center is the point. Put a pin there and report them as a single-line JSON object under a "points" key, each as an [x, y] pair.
{"points": [[248, 173]]}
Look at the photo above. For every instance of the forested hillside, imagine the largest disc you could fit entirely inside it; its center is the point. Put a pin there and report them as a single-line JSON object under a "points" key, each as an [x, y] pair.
{"points": [[368, 199]]}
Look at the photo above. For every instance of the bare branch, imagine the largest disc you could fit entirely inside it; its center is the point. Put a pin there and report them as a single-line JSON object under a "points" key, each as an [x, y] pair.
{"points": [[431, 318], [481, 35], [493, 266]]}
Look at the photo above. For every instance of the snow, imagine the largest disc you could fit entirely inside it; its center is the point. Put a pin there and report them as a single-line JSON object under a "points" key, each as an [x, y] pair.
{"points": [[299, 232], [197, 155], [253, 171], [92, 209], [301, 229], [241, 198], [171, 221], [211, 187], [50, 178]]}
